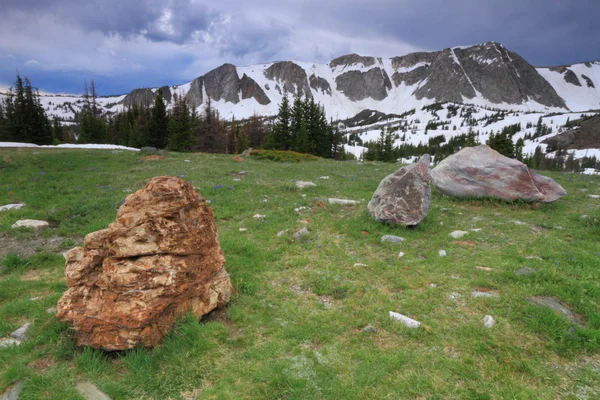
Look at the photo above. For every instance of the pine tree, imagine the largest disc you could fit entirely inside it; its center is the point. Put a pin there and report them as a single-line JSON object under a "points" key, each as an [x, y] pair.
{"points": [[180, 127], [281, 134], [159, 123]]}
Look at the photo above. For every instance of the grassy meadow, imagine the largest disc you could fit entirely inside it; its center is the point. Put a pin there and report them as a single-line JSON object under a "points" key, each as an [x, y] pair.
{"points": [[294, 329]]}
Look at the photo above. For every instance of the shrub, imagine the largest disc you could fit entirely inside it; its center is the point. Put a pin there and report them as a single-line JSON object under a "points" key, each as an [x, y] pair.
{"points": [[283, 156]]}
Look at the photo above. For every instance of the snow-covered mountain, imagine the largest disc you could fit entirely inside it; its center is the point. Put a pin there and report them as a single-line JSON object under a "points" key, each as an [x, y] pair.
{"points": [[486, 75]]}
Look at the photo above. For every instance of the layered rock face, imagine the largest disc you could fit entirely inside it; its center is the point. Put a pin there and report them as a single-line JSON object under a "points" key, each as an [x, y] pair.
{"points": [[291, 77], [158, 260], [483, 172], [403, 197]]}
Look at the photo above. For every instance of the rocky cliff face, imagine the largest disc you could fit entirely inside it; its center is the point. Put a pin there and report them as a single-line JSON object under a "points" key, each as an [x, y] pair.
{"points": [[486, 75]]}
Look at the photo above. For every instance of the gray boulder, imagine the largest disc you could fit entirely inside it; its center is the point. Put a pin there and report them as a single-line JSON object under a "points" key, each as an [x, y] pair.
{"points": [[483, 172], [403, 197]]}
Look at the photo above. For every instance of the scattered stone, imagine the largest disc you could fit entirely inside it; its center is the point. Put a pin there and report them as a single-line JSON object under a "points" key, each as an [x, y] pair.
{"points": [[360, 265], [236, 179], [243, 229], [241, 173], [153, 158], [89, 391], [583, 190], [392, 239], [159, 260], [477, 219], [304, 185], [343, 202], [432, 285], [594, 196], [403, 197], [557, 306], [281, 233], [300, 233], [534, 258], [6, 342], [475, 230], [401, 254], [51, 310], [264, 201], [323, 177], [411, 323], [489, 321], [186, 161], [478, 293], [12, 207], [486, 269], [442, 253], [458, 234], [31, 223], [483, 172], [299, 209], [369, 329], [258, 216], [21, 333], [13, 392], [326, 301], [525, 271], [36, 298], [518, 222], [455, 296], [560, 228]]}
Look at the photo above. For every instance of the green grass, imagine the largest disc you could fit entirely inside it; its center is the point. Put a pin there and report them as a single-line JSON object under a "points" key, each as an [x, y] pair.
{"points": [[293, 329]]}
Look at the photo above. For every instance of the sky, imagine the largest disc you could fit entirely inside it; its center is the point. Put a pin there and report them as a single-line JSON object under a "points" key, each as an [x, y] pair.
{"points": [[127, 44]]}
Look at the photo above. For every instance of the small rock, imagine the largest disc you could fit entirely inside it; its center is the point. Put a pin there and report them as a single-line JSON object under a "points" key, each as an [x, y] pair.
{"points": [[369, 329], [594, 196], [12, 206], [264, 201], [13, 392], [281, 233], [360, 265], [475, 230], [458, 234], [51, 310], [300, 233], [556, 306], [186, 160], [401, 254], [560, 228], [343, 202], [583, 190], [35, 298], [299, 209], [236, 179], [455, 296], [432, 285], [487, 269], [477, 293], [243, 229], [89, 391], [31, 223], [488, 321], [411, 323], [323, 177], [303, 185], [534, 258], [442, 253], [243, 173], [392, 239], [525, 271], [258, 216], [518, 222], [6, 342], [21, 333]]}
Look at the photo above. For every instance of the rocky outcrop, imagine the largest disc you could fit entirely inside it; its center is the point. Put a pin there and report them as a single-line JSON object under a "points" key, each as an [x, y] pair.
{"points": [[412, 59], [585, 136], [571, 78], [194, 96], [157, 261], [498, 75], [251, 90], [357, 85], [291, 76], [223, 83], [319, 84], [166, 93], [482, 172], [588, 81], [403, 198], [139, 98], [352, 59], [411, 77]]}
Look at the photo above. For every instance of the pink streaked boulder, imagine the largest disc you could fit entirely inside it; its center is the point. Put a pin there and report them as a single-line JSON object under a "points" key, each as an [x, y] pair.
{"points": [[483, 172]]}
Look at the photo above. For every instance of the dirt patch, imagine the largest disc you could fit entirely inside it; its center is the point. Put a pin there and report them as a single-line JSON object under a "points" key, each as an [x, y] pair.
{"points": [[26, 247], [42, 364], [154, 157]]}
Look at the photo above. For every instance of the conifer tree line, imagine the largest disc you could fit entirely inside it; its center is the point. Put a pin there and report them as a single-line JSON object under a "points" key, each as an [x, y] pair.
{"points": [[22, 116]]}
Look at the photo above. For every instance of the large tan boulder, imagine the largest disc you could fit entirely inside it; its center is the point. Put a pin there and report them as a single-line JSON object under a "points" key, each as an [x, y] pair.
{"points": [[158, 260]]}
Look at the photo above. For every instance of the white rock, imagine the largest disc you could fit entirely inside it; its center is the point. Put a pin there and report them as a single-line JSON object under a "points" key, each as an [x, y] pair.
{"points": [[21, 333], [303, 185], [458, 234], [6, 342], [432, 285], [489, 321], [236, 179], [243, 229], [360, 265], [476, 293], [442, 253], [186, 160], [281, 233], [323, 177], [401, 254], [258, 216], [594, 196], [12, 206], [264, 201], [343, 202], [392, 239], [411, 323], [518, 222], [14, 392], [300, 233], [475, 230], [51, 310], [31, 223], [299, 209]]}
